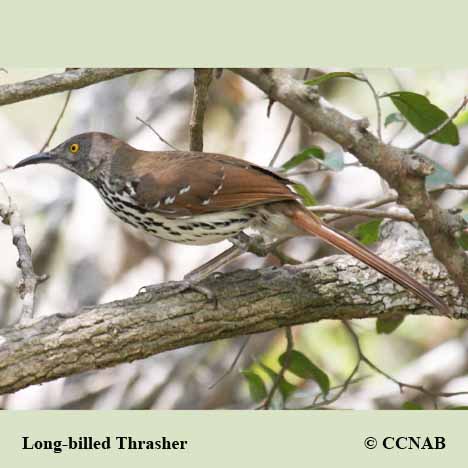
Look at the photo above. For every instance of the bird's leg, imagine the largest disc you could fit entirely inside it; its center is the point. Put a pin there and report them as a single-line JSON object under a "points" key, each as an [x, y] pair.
{"points": [[258, 246], [241, 243], [191, 280], [214, 264], [254, 244]]}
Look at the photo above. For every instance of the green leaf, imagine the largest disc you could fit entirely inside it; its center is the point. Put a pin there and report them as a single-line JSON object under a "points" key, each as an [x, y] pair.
{"points": [[367, 233], [457, 408], [307, 197], [257, 388], [312, 152], [328, 76], [392, 118], [439, 177], [463, 240], [300, 365], [286, 389], [410, 405], [334, 160], [386, 326], [424, 116]]}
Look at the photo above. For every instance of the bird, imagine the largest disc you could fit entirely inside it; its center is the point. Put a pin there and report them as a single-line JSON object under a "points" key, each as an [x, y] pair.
{"points": [[201, 198]]}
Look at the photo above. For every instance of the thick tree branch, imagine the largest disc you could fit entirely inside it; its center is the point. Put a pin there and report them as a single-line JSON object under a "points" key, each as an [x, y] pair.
{"points": [[70, 79], [403, 170], [337, 287]]}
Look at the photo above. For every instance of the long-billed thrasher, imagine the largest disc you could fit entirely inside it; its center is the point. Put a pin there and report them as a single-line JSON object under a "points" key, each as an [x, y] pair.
{"points": [[201, 198]]}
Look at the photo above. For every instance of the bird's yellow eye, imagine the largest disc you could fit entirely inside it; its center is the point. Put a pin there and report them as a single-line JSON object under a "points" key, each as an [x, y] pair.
{"points": [[74, 148]]}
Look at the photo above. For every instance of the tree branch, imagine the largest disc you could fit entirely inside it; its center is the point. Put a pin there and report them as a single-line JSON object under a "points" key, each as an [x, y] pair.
{"points": [[345, 211], [29, 280], [201, 83], [337, 287], [70, 79], [405, 172]]}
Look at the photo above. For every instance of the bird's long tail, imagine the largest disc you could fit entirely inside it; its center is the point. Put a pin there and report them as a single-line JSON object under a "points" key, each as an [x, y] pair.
{"points": [[312, 225]]}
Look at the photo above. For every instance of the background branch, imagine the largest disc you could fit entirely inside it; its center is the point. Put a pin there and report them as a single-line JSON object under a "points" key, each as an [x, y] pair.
{"points": [[29, 280], [146, 124], [201, 84], [345, 211], [70, 79]]}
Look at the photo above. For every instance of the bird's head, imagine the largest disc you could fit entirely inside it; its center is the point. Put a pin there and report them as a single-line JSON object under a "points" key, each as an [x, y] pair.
{"points": [[85, 154]]}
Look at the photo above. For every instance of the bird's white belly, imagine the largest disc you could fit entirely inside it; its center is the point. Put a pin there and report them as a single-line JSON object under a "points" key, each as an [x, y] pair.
{"points": [[196, 230]]}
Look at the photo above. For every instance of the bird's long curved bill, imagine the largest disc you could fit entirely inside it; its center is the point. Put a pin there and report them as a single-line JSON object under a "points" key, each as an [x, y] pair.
{"points": [[34, 159]]}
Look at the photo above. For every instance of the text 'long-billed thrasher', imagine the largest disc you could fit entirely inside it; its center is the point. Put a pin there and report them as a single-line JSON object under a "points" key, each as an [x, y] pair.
{"points": [[201, 198]]}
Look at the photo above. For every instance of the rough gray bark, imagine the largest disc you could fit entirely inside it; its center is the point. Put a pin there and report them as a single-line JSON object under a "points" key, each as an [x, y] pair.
{"points": [[29, 279], [201, 85], [58, 82], [337, 287]]}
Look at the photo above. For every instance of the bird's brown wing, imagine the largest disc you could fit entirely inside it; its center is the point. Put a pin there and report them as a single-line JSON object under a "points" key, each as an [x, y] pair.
{"points": [[188, 183]]}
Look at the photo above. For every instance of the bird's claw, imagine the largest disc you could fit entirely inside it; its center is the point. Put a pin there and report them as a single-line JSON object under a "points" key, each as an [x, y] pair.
{"points": [[175, 287]]}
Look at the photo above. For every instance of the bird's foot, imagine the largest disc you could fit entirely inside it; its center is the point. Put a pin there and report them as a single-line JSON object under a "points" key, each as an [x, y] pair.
{"points": [[171, 288], [193, 282]]}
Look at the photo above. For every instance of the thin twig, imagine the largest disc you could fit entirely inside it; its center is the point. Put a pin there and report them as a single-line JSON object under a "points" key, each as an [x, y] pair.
{"points": [[57, 122], [377, 105], [344, 387], [157, 134], [383, 182], [321, 168], [233, 364], [201, 83], [407, 217], [280, 375], [436, 130], [394, 198], [29, 280], [349, 381], [287, 131], [401, 385]]}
